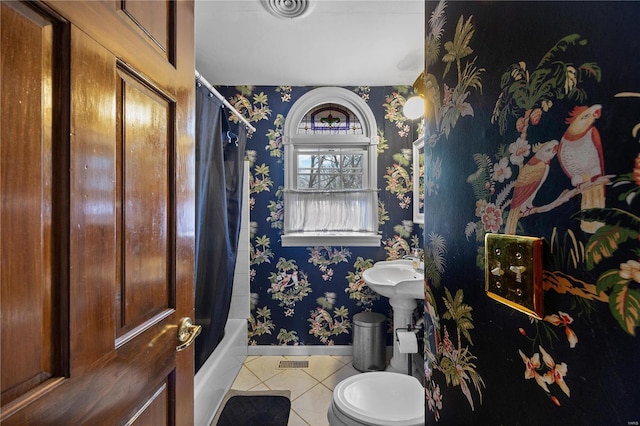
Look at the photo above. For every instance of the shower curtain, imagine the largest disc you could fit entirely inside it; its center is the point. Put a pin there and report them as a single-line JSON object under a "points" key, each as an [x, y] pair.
{"points": [[220, 149]]}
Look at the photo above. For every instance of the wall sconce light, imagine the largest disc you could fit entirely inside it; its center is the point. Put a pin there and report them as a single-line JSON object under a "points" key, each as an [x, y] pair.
{"points": [[414, 106]]}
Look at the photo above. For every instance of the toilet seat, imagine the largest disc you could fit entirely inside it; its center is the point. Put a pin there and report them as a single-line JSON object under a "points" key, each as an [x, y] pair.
{"points": [[380, 399]]}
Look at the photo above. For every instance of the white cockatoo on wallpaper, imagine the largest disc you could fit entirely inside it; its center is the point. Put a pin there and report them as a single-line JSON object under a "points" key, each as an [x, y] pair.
{"points": [[581, 158]]}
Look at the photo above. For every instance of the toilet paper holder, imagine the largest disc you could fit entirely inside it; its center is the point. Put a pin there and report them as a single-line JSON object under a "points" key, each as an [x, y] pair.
{"points": [[413, 345], [411, 329]]}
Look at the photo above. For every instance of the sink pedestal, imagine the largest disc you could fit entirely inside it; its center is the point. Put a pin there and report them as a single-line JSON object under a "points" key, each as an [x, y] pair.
{"points": [[403, 285], [403, 308]]}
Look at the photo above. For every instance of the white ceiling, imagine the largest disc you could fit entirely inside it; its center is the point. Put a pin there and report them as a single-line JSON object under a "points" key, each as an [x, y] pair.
{"points": [[335, 43]]}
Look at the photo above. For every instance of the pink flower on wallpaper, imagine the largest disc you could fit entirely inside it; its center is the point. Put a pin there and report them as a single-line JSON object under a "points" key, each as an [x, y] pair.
{"points": [[531, 366], [492, 218], [480, 206], [448, 93], [447, 344], [316, 327], [434, 399], [501, 170], [316, 256], [520, 149], [328, 275], [630, 270], [564, 319], [556, 372], [405, 202]]}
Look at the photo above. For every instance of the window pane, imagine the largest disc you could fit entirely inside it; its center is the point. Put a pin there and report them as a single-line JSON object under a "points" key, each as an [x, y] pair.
{"points": [[303, 181], [331, 169]]}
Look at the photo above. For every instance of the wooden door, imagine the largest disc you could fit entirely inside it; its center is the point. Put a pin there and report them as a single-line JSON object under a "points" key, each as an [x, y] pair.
{"points": [[97, 213]]}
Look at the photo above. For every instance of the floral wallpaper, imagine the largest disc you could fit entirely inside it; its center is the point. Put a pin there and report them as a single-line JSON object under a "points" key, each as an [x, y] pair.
{"points": [[309, 295], [533, 128]]}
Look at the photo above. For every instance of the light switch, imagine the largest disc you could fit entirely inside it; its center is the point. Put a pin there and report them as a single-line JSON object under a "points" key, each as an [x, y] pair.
{"points": [[513, 272]]}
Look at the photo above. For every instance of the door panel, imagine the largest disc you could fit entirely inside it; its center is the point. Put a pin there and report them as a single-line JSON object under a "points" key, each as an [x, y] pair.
{"points": [[97, 215], [146, 152], [153, 23], [29, 345], [155, 411]]}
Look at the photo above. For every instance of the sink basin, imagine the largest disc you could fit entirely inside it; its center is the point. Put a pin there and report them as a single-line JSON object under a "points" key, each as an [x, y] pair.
{"points": [[395, 278]]}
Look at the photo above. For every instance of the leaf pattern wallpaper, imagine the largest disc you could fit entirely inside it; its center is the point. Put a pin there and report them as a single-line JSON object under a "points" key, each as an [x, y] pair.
{"points": [[309, 295], [533, 128]]}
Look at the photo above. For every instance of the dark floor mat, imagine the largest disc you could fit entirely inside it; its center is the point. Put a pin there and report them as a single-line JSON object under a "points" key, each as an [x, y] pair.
{"points": [[255, 410]]}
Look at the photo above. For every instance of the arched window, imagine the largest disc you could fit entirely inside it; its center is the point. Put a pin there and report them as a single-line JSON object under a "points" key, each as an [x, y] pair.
{"points": [[330, 148]]}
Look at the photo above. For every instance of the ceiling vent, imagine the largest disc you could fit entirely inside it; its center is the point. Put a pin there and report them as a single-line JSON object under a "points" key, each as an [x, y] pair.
{"points": [[287, 9]]}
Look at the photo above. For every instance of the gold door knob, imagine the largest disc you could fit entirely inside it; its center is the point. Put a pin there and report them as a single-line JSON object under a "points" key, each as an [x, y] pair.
{"points": [[187, 333]]}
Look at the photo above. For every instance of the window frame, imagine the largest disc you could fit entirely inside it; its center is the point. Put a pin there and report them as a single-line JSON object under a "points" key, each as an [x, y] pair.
{"points": [[368, 141]]}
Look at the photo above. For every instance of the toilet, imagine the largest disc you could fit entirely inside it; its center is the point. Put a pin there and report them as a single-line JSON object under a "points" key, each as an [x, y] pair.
{"points": [[378, 398]]}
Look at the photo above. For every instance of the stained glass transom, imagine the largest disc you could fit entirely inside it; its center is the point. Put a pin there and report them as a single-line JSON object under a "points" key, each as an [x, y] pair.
{"points": [[330, 119]]}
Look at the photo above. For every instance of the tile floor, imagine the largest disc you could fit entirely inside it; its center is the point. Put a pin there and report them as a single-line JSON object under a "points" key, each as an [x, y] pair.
{"points": [[311, 388]]}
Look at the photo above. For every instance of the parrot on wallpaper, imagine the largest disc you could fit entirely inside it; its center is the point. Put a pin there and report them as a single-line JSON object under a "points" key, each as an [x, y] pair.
{"points": [[530, 178], [580, 156]]}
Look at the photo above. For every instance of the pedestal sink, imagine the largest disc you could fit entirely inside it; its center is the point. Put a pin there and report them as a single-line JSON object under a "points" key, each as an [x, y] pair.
{"points": [[403, 285]]}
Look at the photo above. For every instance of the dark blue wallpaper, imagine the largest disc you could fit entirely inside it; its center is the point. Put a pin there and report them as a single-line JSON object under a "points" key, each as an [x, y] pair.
{"points": [[330, 290], [535, 119]]}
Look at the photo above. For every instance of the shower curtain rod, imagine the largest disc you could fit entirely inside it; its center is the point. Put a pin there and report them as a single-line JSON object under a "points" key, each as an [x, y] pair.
{"points": [[217, 94]]}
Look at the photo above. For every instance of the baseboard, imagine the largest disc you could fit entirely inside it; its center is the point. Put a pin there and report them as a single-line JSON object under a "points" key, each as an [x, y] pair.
{"points": [[274, 350]]}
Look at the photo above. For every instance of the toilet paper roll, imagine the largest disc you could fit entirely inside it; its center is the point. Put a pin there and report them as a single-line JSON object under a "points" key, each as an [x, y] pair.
{"points": [[407, 342]]}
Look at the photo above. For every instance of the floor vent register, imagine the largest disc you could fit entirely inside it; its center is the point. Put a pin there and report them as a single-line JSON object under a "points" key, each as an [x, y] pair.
{"points": [[293, 364]]}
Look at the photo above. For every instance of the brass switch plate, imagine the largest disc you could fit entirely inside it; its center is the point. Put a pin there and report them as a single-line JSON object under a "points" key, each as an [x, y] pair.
{"points": [[513, 272]]}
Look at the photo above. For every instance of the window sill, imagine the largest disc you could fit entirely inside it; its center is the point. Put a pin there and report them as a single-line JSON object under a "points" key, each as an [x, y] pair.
{"points": [[355, 239]]}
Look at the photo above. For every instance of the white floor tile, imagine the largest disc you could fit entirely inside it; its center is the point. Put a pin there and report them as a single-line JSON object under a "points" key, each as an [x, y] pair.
{"points": [[321, 367], [312, 406], [265, 367], [260, 387], [294, 380], [245, 380], [296, 420]]}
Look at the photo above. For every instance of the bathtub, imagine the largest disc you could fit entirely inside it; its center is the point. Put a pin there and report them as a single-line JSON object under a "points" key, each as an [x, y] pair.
{"points": [[218, 373]]}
